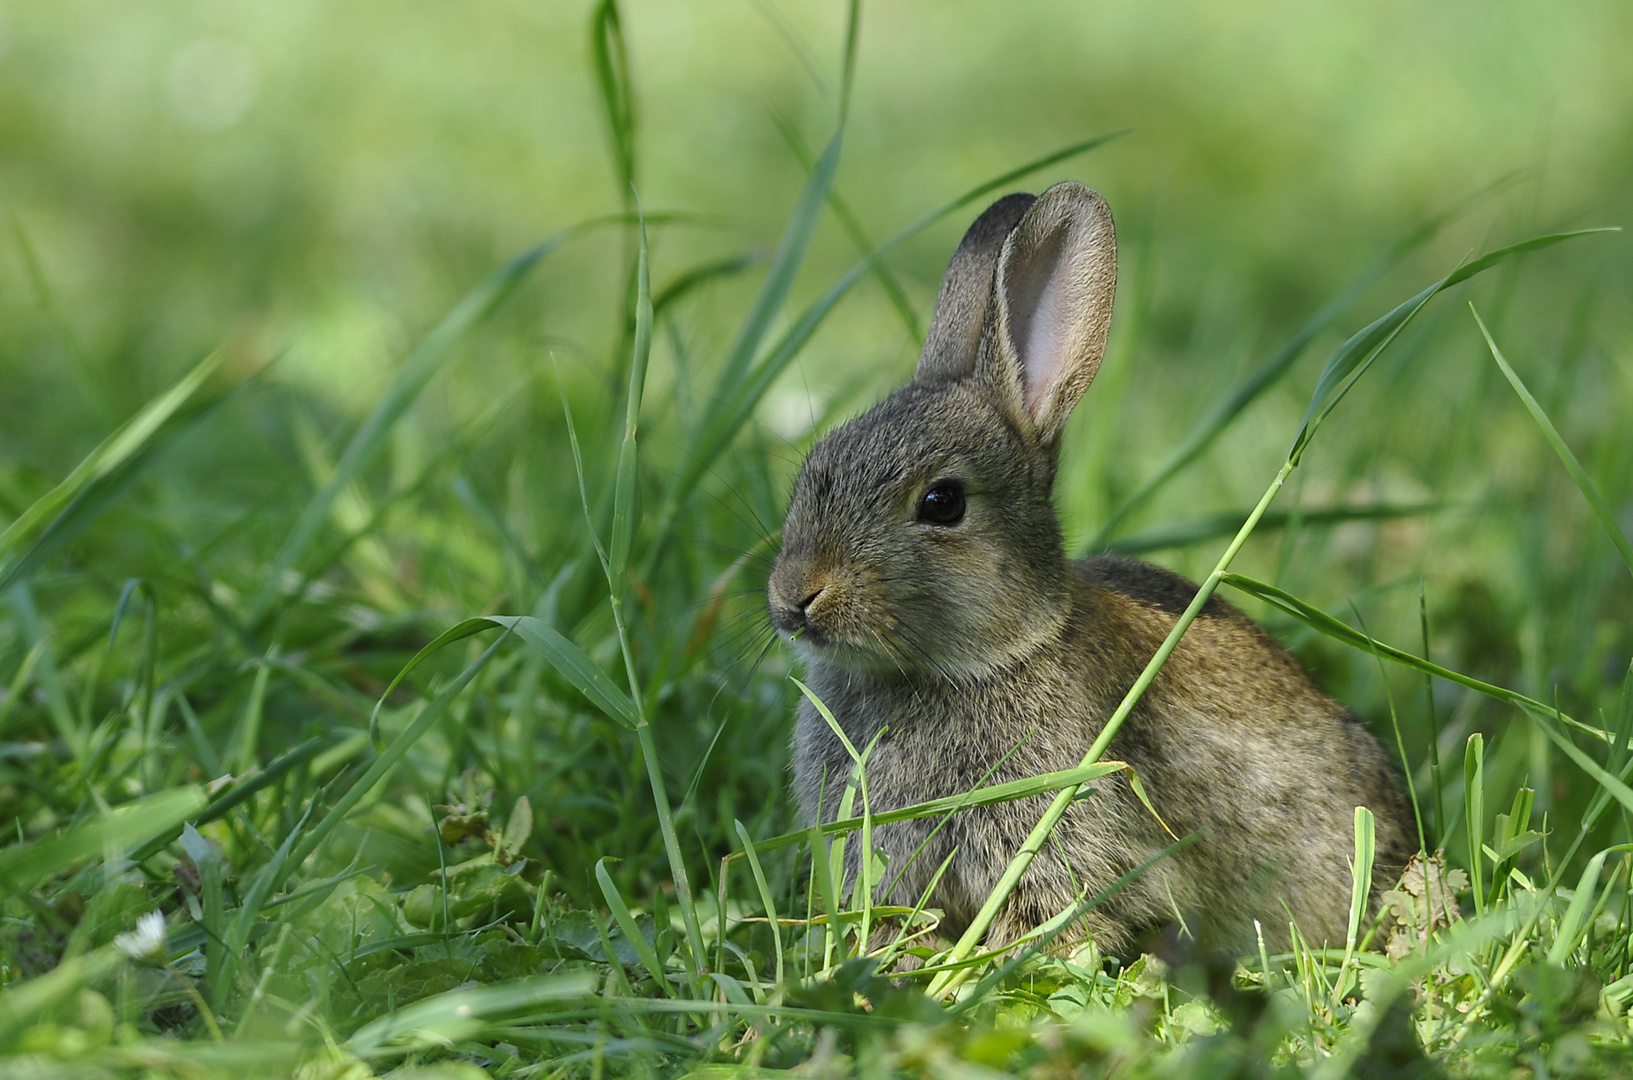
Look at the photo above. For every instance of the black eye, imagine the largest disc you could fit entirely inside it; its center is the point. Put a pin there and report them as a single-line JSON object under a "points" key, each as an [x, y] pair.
{"points": [[943, 504]]}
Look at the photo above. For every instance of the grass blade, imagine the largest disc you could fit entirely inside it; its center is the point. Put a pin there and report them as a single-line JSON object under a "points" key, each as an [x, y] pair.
{"points": [[628, 480], [796, 238], [1351, 359], [854, 229], [392, 755], [1217, 419], [240, 791], [424, 362], [1584, 483], [1222, 415], [103, 476], [1319, 620], [23, 866], [766, 899], [569, 661], [1197, 530], [1042, 784], [864, 864], [1618, 790], [691, 280], [1474, 812], [111, 453], [1571, 925], [614, 564], [631, 928], [1366, 849], [1060, 923], [459, 1015], [612, 80], [208, 864]]}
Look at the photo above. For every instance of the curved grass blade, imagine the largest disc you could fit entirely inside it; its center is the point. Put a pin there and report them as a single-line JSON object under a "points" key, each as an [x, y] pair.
{"points": [[691, 280], [459, 1015], [23, 866], [570, 662], [766, 899], [1009, 791], [631, 928], [111, 453], [1570, 925], [617, 95], [393, 754], [1352, 358], [1187, 531], [1584, 482], [1217, 419], [104, 475], [1319, 620]]}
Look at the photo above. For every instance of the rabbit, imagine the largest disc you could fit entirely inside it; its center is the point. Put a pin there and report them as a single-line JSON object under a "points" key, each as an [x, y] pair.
{"points": [[923, 581]]}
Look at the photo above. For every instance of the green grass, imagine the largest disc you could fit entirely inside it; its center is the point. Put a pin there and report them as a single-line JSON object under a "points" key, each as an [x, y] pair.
{"points": [[407, 654]]}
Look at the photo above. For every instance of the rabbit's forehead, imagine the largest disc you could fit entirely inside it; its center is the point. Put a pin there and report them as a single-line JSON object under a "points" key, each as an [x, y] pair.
{"points": [[916, 435]]}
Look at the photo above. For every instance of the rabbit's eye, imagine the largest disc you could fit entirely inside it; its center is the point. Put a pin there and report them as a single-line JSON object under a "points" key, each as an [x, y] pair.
{"points": [[943, 504]]}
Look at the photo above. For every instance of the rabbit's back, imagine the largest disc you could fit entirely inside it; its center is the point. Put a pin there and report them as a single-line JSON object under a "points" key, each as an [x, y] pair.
{"points": [[1235, 741]]}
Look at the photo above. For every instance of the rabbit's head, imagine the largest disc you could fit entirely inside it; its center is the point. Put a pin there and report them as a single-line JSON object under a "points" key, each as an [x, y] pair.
{"points": [[921, 535]]}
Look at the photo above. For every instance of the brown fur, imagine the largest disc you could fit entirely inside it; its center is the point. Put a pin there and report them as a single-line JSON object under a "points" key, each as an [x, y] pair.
{"points": [[986, 656]]}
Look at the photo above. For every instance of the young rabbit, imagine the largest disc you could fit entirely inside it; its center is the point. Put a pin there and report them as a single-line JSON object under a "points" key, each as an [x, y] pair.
{"points": [[924, 582]]}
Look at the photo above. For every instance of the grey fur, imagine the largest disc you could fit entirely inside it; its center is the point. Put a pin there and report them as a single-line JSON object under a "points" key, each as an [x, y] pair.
{"points": [[988, 657]]}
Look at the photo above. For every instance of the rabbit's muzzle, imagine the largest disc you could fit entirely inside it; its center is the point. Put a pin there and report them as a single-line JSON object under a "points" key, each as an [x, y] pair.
{"points": [[802, 600], [823, 610]]}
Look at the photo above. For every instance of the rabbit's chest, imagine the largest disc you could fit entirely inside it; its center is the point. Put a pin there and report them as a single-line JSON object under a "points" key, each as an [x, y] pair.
{"points": [[933, 743]]}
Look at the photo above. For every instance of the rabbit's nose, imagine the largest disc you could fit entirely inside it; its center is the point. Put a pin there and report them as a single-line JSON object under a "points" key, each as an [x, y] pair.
{"points": [[792, 616]]}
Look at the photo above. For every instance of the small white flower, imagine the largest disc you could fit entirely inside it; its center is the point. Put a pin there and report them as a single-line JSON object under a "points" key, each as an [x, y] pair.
{"points": [[146, 942]]}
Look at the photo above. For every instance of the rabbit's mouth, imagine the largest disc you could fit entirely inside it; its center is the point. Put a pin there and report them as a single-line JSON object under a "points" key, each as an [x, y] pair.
{"points": [[840, 618], [816, 647]]}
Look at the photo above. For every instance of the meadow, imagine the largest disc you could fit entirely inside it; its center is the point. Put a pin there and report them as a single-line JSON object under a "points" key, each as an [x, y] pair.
{"points": [[398, 406]]}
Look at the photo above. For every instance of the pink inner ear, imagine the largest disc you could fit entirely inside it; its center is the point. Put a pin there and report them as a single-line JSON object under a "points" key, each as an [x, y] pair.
{"points": [[1045, 343]]}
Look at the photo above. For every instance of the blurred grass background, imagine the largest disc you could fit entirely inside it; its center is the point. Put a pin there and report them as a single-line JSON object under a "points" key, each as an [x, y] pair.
{"points": [[312, 186]]}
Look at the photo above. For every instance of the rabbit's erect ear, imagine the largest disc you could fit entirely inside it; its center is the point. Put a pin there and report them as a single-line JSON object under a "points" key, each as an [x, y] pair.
{"points": [[1056, 281], [966, 291]]}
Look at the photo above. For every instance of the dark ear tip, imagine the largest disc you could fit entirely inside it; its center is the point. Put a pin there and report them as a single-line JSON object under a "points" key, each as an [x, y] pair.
{"points": [[1014, 202], [998, 220]]}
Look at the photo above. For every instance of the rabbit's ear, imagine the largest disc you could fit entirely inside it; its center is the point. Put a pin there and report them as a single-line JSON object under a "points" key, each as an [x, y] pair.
{"points": [[1057, 278], [966, 292]]}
